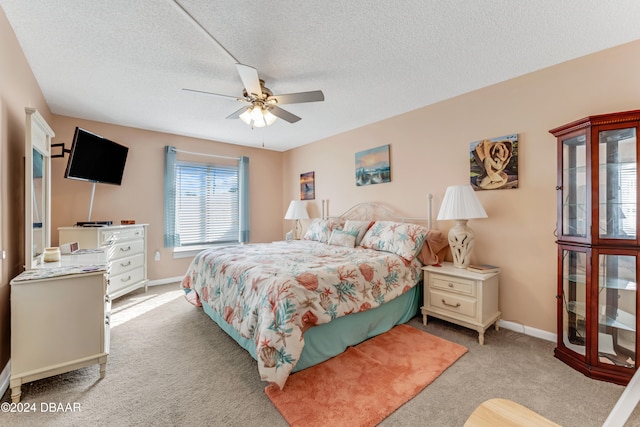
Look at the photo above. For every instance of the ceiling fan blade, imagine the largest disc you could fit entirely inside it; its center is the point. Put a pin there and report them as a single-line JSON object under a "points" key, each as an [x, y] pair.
{"points": [[283, 114], [236, 114], [250, 79], [296, 98], [214, 94]]}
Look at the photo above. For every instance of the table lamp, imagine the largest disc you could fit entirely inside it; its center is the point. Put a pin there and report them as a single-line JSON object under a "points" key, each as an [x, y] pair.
{"points": [[297, 211], [460, 203]]}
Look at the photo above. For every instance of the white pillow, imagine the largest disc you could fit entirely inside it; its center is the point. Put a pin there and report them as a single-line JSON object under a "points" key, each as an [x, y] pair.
{"points": [[360, 227], [403, 239], [343, 238], [320, 229]]}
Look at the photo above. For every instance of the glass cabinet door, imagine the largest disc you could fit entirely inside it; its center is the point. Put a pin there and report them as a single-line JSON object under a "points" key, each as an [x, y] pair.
{"points": [[617, 184], [575, 213], [574, 300], [617, 309]]}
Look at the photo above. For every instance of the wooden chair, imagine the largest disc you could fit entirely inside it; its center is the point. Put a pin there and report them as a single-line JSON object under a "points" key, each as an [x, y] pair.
{"points": [[506, 413]]}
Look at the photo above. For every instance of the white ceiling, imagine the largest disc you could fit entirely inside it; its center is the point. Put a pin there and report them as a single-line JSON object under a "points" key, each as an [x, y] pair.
{"points": [[126, 61]]}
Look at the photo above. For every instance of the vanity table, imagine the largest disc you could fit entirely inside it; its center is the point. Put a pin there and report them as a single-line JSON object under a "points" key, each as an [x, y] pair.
{"points": [[60, 310], [59, 322]]}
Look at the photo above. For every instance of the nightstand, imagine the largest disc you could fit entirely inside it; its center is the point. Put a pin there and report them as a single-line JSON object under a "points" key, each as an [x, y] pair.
{"points": [[462, 297]]}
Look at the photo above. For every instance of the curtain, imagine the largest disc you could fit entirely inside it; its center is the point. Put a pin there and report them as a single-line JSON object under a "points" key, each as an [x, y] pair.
{"points": [[243, 164], [171, 239]]}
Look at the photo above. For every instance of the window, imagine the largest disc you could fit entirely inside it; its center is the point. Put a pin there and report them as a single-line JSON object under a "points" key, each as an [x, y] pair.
{"points": [[205, 203]]}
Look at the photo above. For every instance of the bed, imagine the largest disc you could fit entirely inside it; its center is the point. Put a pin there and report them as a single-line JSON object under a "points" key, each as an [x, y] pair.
{"points": [[293, 304]]}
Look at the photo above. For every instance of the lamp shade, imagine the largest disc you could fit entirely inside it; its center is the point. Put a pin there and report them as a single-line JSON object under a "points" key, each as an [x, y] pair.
{"points": [[297, 210], [461, 202]]}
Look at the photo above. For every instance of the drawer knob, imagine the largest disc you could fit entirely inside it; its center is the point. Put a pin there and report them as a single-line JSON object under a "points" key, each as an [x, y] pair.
{"points": [[450, 285], [450, 305]]}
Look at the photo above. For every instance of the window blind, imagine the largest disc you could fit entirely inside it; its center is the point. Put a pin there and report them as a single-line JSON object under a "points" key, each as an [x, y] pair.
{"points": [[207, 203]]}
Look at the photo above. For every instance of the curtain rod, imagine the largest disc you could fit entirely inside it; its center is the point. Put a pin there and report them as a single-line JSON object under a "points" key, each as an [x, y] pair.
{"points": [[205, 154]]}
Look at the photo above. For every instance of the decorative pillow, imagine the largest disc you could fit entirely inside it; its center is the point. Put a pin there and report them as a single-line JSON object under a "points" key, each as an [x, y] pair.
{"points": [[320, 229], [360, 227], [343, 238], [403, 239]]}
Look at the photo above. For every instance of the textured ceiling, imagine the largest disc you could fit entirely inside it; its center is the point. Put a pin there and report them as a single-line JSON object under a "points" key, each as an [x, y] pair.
{"points": [[125, 62]]}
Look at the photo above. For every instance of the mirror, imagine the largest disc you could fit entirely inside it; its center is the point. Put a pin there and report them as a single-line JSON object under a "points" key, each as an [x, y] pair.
{"points": [[37, 197]]}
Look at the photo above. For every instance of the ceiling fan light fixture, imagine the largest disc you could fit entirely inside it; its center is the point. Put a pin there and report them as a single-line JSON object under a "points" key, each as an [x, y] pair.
{"points": [[269, 118], [257, 117], [246, 116]]}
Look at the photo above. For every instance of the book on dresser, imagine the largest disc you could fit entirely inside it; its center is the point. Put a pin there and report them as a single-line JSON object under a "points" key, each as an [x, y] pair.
{"points": [[483, 268]]}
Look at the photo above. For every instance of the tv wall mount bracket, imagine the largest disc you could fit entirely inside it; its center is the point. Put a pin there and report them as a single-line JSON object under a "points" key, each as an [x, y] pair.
{"points": [[62, 152]]}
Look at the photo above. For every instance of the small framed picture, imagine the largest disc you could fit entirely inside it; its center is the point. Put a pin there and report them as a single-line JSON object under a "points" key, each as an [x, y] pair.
{"points": [[307, 186]]}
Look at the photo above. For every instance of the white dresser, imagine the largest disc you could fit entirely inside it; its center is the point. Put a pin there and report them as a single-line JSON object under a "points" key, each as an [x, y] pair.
{"points": [[59, 322], [125, 249]]}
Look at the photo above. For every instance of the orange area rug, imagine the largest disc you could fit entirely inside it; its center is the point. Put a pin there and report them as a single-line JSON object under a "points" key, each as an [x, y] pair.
{"points": [[366, 383]]}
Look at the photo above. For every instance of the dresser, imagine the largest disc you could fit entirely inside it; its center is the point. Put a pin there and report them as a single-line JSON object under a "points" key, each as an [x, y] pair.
{"points": [[125, 249], [462, 297], [59, 323]]}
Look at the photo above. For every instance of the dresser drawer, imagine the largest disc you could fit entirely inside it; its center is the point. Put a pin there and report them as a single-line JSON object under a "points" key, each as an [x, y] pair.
{"points": [[453, 284], [117, 235], [117, 282], [121, 265], [453, 303], [124, 249]]}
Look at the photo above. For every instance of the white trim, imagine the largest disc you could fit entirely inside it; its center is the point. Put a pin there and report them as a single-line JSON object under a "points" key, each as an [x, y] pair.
{"points": [[166, 281], [5, 376], [528, 330]]}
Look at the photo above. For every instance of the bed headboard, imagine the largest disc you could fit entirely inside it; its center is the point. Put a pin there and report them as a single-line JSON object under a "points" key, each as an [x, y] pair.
{"points": [[376, 211]]}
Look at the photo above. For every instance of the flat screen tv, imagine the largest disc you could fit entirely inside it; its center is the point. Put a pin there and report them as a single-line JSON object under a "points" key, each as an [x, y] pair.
{"points": [[96, 159]]}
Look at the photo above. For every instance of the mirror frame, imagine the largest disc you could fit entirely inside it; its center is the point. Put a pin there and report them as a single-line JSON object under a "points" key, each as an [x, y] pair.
{"points": [[38, 135]]}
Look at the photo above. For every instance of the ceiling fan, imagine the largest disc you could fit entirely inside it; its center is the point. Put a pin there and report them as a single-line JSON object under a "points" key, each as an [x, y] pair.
{"points": [[263, 106]]}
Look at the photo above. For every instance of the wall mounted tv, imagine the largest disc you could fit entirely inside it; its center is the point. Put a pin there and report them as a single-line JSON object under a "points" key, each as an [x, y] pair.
{"points": [[96, 159]]}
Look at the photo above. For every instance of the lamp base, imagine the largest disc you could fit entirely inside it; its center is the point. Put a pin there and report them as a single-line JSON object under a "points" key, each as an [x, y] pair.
{"points": [[461, 243], [297, 229]]}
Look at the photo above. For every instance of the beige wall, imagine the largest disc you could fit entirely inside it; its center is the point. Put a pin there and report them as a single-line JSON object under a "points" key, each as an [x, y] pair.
{"points": [[18, 89], [140, 197], [429, 151]]}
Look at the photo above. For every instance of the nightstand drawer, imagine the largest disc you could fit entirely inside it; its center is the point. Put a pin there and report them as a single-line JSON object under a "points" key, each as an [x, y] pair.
{"points": [[452, 302], [453, 284]]}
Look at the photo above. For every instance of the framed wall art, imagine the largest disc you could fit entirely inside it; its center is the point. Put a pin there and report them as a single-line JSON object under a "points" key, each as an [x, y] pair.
{"points": [[372, 166], [307, 186], [494, 163]]}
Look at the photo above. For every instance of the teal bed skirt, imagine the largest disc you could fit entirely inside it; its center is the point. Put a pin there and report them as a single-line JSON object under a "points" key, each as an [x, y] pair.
{"points": [[325, 341]]}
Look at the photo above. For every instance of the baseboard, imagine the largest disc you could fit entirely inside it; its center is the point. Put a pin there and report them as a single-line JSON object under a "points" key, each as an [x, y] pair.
{"points": [[5, 376], [528, 330], [165, 281]]}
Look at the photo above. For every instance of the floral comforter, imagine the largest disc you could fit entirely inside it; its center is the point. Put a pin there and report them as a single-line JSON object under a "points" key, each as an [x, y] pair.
{"points": [[271, 293]]}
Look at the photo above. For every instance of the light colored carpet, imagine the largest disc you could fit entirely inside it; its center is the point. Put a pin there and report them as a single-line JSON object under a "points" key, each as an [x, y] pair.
{"points": [[366, 383], [170, 365]]}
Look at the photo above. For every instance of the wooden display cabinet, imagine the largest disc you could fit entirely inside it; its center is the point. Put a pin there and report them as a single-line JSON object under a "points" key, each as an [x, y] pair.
{"points": [[598, 246]]}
